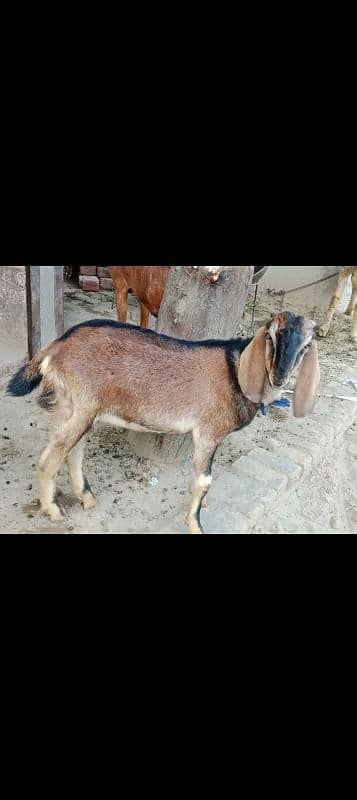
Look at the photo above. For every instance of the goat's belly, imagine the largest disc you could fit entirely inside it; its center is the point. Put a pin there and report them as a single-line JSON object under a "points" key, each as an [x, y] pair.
{"points": [[120, 422], [179, 426]]}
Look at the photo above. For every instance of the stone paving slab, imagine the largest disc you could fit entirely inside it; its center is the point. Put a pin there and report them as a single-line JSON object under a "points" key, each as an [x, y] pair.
{"points": [[261, 479]]}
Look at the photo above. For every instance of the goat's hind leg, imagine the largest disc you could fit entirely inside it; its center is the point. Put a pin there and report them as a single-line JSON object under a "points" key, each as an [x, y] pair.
{"points": [[61, 443], [48, 467], [80, 485]]}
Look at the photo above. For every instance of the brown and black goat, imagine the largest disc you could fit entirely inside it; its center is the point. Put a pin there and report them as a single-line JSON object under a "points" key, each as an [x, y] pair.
{"points": [[138, 379]]}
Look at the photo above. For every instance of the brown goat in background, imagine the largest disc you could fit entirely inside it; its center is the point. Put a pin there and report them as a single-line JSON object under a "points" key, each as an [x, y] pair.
{"points": [[147, 283], [351, 310], [144, 381]]}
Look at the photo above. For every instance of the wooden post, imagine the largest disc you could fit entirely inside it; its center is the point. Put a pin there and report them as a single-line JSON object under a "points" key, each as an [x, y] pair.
{"points": [[44, 306]]}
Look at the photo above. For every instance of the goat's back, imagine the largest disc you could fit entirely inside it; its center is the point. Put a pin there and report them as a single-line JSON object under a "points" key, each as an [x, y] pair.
{"points": [[156, 381]]}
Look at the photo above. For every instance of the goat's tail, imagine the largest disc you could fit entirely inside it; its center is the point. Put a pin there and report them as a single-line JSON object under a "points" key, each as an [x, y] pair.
{"points": [[27, 378]]}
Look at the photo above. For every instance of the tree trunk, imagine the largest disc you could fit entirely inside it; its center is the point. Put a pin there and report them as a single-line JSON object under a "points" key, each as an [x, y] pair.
{"points": [[204, 302], [199, 303]]}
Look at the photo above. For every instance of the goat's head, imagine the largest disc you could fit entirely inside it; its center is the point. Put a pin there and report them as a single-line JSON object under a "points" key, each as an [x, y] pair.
{"points": [[284, 344]]}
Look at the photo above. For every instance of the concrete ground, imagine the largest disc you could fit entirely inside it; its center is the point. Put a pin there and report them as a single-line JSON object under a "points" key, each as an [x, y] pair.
{"points": [[279, 475], [12, 354]]}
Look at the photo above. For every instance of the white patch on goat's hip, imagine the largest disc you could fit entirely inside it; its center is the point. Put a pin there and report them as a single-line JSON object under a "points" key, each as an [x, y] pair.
{"points": [[44, 365]]}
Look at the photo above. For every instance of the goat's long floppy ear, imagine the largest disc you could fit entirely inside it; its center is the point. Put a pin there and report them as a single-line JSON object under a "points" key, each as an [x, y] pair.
{"points": [[307, 383], [251, 370]]}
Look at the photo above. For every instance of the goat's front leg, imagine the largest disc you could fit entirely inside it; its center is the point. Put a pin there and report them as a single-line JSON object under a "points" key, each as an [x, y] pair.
{"points": [[121, 300], [144, 316], [354, 326], [325, 327], [201, 478], [353, 302], [190, 491]]}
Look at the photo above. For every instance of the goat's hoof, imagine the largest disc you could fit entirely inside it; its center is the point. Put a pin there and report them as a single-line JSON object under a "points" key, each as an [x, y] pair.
{"points": [[322, 331], [349, 311], [54, 512], [88, 500], [194, 526]]}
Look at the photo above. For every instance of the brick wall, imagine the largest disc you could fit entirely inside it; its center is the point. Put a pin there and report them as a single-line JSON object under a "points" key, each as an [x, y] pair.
{"points": [[92, 279]]}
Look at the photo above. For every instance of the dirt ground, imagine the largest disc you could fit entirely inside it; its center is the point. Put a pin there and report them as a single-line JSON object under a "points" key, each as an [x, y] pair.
{"points": [[134, 495]]}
